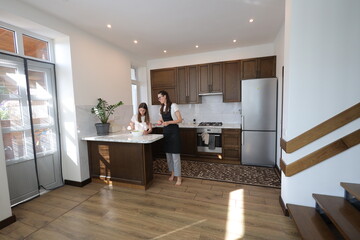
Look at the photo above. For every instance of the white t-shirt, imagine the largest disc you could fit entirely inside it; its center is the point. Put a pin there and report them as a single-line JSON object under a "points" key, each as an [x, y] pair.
{"points": [[139, 125], [174, 109]]}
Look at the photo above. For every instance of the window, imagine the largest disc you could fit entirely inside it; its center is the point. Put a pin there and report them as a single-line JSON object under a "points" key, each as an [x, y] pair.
{"points": [[7, 40], [134, 90], [24, 44], [36, 48]]}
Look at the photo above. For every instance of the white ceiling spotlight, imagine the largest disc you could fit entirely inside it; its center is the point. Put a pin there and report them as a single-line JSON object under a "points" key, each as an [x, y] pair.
{"points": [[234, 41], [197, 46], [165, 51], [251, 20], [135, 41], [108, 26]]}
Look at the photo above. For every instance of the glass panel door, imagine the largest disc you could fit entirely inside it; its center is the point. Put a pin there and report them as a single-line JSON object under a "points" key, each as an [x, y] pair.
{"points": [[43, 107], [16, 130]]}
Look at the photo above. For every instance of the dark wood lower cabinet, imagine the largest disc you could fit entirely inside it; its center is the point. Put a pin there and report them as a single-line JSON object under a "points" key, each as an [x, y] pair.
{"points": [[129, 163], [158, 146], [231, 144], [187, 139]]}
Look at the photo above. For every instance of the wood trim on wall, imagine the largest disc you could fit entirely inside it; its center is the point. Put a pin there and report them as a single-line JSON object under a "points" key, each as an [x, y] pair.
{"points": [[77, 184], [322, 129], [322, 154], [7, 221], [283, 207]]}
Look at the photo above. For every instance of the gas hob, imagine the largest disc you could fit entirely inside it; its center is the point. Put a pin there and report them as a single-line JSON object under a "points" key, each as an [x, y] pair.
{"points": [[217, 124]]}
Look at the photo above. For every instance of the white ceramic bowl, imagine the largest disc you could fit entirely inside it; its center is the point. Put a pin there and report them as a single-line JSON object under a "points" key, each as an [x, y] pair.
{"points": [[137, 133]]}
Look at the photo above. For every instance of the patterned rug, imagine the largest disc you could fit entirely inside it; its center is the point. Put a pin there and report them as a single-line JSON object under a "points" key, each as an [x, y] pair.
{"points": [[251, 175]]}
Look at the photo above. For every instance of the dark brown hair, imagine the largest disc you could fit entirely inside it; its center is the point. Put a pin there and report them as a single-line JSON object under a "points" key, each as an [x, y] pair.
{"points": [[168, 102], [147, 117]]}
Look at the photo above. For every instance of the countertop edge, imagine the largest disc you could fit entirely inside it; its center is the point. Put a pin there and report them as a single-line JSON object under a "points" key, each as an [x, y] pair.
{"points": [[190, 125], [124, 138]]}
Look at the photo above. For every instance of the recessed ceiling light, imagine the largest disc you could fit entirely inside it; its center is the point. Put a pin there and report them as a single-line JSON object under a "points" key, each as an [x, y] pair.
{"points": [[108, 26], [165, 51], [197, 46], [234, 41], [251, 20], [135, 41]]}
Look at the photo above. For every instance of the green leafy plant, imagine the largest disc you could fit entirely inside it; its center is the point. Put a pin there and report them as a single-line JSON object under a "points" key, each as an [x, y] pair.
{"points": [[103, 110]]}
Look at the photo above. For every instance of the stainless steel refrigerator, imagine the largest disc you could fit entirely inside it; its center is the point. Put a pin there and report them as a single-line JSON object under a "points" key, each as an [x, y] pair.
{"points": [[259, 116]]}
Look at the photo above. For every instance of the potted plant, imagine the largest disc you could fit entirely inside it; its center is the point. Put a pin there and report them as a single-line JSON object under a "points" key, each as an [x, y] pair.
{"points": [[103, 111]]}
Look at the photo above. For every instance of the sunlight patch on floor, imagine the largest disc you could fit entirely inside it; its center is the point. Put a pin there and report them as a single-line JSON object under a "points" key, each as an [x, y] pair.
{"points": [[179, 229], [235, 216]]}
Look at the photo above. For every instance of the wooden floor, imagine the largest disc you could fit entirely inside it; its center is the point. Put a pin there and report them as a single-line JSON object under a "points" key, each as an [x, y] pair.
{"points": [[199, 209]]}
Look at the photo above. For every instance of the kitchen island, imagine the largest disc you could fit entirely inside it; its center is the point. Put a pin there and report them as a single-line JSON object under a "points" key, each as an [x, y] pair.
{"points": [[122, 158]]}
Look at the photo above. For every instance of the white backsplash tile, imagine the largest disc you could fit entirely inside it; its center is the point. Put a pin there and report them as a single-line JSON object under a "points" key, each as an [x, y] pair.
{"points": [[212, 109]]}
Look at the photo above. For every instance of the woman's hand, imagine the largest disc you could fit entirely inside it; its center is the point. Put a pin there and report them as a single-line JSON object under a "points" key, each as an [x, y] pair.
{"points": [[160, 122], [165, 124]]}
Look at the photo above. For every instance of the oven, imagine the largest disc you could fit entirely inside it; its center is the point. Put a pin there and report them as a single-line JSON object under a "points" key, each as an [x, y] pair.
{"points": [[209, 140]]}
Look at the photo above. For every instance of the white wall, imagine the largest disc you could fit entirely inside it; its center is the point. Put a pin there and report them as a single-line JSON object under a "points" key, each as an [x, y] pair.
{"points": [[322, 59], [87, 68], [279, 52], [215, 56]]}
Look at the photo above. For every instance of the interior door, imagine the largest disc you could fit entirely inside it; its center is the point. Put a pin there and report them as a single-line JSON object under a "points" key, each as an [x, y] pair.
{"points": [[29, 126], [44, 118], [16, 130]]}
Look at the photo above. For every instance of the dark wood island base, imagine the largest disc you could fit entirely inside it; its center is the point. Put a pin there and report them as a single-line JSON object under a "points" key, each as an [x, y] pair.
{"points": [[121, 164]]}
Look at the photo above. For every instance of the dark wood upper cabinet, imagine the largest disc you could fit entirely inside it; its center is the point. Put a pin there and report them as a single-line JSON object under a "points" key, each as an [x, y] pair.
{"points": [[210, 78], [204, 75], [232, 81], [264, 67], [267, 67], [154, 92], [216, 77], [249, 68], [187, 84], [163, 79]]}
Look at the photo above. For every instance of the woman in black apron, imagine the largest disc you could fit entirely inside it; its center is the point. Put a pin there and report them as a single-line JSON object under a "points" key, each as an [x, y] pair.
{"points": [[170, 117]]}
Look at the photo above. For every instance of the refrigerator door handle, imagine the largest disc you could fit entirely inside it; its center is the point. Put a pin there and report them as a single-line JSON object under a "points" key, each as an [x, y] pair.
{"points": [[242, 138], [242, 121]]}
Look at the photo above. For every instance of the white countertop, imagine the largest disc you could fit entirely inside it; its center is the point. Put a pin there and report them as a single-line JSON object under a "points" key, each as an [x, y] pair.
{"points": [[125, 138], [191, 125]]}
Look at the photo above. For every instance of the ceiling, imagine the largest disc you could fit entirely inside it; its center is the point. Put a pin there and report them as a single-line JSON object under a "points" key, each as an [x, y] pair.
{"points": [[176, 26]]}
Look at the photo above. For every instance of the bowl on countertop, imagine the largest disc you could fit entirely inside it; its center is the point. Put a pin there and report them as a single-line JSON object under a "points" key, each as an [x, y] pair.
{"points": [[137, 133]]}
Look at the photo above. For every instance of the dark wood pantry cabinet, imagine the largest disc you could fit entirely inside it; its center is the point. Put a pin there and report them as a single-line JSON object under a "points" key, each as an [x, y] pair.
{"points": [[264, 67], [163, 79], [187, 85]]}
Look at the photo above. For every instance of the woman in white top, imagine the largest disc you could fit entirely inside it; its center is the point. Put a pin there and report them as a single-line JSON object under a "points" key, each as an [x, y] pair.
{"points": [[141, 120], [170, 118]]}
